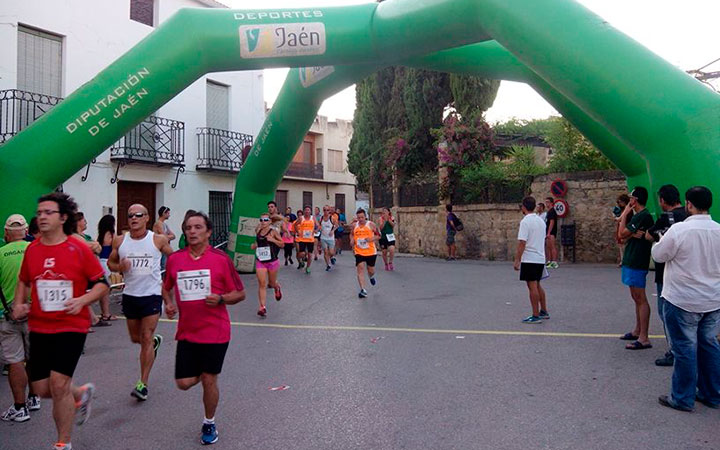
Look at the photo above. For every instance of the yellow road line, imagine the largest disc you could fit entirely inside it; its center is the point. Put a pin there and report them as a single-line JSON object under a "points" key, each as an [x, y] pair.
{"points": [[425, 330]]}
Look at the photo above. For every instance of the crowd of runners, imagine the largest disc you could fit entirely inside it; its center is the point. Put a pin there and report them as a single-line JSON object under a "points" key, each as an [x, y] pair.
{"points": [[49, 277]]}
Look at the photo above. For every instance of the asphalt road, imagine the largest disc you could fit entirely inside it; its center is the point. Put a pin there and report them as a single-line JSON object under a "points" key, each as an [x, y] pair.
{"points": [[435, 358]]}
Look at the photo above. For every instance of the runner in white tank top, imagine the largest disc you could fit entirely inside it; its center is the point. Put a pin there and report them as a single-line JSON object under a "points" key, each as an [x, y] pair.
{"points": [[327, 237], [137, 255]]}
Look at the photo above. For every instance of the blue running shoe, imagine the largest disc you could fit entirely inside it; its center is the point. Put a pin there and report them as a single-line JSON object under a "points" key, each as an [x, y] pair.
{"points": [[372, 281], [209, 434], [532, 319], [333, 260], [544, 315]]}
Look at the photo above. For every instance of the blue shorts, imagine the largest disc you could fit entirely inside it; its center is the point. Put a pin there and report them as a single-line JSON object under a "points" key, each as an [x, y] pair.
{"points": [[634, 277]]}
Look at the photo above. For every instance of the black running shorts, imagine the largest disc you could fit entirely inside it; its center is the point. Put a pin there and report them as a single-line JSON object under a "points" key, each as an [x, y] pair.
{"points": [[139, 307], [306, 247], [369, 260], [193, 359], [57, 352], [384, 243], [531, 271]]}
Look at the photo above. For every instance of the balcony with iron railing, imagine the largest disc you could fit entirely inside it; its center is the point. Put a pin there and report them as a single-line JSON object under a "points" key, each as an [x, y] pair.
{"points": [[156, 140], [19, 109], [221, 150], [305, 170]]}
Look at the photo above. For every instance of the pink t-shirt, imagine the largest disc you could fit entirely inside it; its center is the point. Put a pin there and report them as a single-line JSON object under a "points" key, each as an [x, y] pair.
{"points": [[192, 281]]}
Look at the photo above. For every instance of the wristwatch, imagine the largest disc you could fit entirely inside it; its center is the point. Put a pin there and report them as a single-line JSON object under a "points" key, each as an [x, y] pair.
{"points": [[221, 301]]}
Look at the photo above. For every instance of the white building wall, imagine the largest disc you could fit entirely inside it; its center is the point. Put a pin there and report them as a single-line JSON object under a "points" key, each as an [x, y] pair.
{"points": [[96, 33]]}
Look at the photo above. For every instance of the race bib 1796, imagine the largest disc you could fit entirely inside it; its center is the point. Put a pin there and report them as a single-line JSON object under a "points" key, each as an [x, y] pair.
{"points": [[193, 285]]}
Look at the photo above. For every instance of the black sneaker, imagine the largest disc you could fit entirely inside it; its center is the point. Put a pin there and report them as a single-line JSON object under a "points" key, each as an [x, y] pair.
{"points": [[157, 340], [373, 281], [544, 314], [140, 392], [362, 294], [666, 361]]}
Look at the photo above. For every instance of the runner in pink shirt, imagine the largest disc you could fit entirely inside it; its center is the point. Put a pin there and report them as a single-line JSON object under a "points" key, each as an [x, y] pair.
{"points": [[199, 282]]}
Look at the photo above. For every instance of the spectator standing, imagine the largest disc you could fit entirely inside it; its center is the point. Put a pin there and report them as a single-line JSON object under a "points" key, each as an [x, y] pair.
{"points": [[691, 251], [621, 202], [673, 212], [551, 218], [635, 265], [14, 334], [451, 230], [530, 259], [106, 234], [161, 226]]}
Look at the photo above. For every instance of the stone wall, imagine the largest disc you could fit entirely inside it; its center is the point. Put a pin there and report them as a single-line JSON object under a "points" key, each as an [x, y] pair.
{"points": [[491, 229]]}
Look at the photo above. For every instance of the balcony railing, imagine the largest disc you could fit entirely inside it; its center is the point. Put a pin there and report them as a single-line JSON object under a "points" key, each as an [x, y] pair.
{"points": [[305, 170], [155, 140], [221, 149], [19, 109]]}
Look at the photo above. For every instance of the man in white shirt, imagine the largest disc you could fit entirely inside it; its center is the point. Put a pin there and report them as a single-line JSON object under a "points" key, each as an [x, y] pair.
{"points": [[530, 259], [691, 251]]}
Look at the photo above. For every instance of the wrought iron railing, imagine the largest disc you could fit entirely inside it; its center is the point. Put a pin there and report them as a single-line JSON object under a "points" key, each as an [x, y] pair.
{"points": [[19, 109], [305, 170], [155, 140], [221, 149]]}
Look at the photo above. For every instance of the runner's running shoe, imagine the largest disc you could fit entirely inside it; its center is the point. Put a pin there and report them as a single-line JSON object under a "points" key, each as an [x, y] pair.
{"points": [[61, 446], [363, 293], [333, 260], [33, 403], [307, 271], [544, 315], [15, 415], [83, 407], [209, 434], [392, 267], [157, 340], [327, 269], [532, 319], [140, 392], [372, 281], [278, 292], [262, 312]]}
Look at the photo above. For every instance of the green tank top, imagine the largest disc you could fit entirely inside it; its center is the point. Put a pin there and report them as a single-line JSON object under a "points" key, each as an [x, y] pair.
{"points": [[386, 229]]}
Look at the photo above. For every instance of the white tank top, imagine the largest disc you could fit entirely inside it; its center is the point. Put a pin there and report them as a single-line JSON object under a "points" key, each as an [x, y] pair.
{"points": [[327, 227], [143, 279]]}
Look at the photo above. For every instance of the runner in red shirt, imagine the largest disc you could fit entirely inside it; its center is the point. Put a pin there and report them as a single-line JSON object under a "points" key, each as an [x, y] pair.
{"points": [[202, 280], [64, 277]]}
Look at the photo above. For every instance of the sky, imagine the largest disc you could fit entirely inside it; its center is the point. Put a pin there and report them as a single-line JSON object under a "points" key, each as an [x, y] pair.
{"points": [[684, 32]]}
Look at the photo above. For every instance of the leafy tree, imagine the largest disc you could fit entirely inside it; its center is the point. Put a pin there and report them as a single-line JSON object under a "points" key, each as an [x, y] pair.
{"points": [[572, 151], [472, 96]]}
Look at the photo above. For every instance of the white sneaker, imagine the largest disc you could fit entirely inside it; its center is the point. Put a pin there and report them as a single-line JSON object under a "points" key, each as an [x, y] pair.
{"points": [[33, 403], [61, 446], [15, 415], [82, 408]]}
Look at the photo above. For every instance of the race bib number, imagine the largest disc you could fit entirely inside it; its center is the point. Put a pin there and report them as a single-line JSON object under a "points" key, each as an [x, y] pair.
{"points": [[193, 285], [141, 264], [53, 294], [363, 244], [307, 234], [263, 254], [390, 237]]}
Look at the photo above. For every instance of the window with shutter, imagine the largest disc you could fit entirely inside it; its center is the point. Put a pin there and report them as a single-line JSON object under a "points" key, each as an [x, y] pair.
{"points": [[218, 105], [39, 67], [335, 161]]}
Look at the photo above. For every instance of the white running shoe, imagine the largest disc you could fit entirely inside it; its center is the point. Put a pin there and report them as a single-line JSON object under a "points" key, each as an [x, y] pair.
{"points": [[83, 408], [33, 403], [15, 415]]}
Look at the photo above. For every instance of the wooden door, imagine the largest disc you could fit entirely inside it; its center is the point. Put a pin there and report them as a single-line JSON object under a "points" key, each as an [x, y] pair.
{"points": [[131, 192]]}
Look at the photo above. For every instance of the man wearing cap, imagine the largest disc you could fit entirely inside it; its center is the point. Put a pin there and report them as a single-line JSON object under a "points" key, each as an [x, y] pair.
{"points": [[14, 336], [635, 264]]}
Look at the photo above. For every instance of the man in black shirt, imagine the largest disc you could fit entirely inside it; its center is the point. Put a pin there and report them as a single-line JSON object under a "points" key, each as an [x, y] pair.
{"points": [[551, 253], [673, 212]]}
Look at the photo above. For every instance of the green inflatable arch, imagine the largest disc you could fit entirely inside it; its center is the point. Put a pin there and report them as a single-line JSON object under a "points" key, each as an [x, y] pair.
{"points": [[653, 121]]}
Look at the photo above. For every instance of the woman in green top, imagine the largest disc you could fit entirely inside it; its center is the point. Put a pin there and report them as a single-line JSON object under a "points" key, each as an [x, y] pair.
{"points": [[387, 238]]}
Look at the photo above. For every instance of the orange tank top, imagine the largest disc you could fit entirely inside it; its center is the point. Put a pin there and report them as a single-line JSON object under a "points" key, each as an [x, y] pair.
{"points": [[364, 245], [306, 230]]}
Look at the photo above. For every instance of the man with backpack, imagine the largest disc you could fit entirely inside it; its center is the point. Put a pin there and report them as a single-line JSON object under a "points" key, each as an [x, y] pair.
{"points": [[452, 226]]}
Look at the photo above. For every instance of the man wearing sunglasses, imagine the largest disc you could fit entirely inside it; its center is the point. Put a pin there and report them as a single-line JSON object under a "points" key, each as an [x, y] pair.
{"points": [[137, 255]]}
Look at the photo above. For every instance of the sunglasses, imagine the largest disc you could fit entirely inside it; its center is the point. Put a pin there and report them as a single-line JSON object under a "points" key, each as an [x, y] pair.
{"points": [[135, 215], [264, 219]]}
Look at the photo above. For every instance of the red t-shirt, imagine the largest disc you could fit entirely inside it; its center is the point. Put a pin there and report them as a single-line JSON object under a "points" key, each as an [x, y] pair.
{"points": [[193, 280], [57, 273]]}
